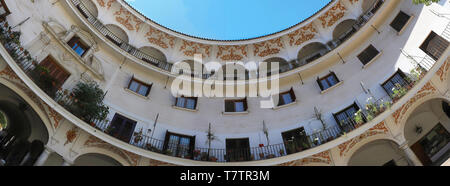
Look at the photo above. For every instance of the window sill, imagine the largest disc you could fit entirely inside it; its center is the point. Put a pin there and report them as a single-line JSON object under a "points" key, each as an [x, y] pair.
{"points": [[235, 113], [374, 59], [136, 94], [406, 25], [184, 109], [284, 106], [331, 88]]}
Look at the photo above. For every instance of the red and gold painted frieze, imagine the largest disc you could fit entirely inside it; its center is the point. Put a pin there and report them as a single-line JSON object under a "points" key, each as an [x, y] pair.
{"points": [[159, 38], [128, 20], [443, 71], [333, 15], [71, 135], [379, 129], [93, 141], [232, 53], [428, 89], [191, 48], [267, 48], [107, 4], [322, 158], [302, 35]]}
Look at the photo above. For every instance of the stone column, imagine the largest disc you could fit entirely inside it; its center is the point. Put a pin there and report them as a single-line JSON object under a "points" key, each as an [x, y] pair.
{"points": [[67, 163], [43, 157], [410, 154]]}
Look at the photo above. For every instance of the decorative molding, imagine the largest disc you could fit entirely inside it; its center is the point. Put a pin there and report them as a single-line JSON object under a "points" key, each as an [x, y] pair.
{"points": [[160, 38], [98, 143], [128, 20], [232, 53], [378, 129], [268, 48], [443, 71], [191, 48], [302, 35], [323, 157], [107, 5], [333, 15], [71, 135], [425, 91]]}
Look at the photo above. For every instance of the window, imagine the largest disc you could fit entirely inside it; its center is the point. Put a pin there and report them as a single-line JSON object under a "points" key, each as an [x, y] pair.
{"points": [[398, 79], [295, 140], [186, 102], [368, 54], [238, 150], [432, 144], [179, 145], [434, 45], [286, 97], [139, 87], [78, 46], [236, 105], [328, 81], [55, 70], [122, 128], [345, 118], [400, 21]]}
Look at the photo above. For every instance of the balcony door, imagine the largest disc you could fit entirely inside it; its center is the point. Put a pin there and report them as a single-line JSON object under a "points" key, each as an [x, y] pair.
{"points": [[238, 150], [122, 128], [179, 145]]}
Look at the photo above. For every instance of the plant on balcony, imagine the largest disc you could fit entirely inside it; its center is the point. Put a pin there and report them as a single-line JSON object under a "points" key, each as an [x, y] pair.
{"points": [[398, 92], [138, 136], [41, 76], [87, 102]]}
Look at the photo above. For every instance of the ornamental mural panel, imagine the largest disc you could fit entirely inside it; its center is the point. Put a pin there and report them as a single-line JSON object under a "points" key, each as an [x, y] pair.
{"points": [[107, 4], [302, 35], [268, 48], [333, 15], [379, 129], [93, 141], [428, 89], [323, 157], [191, 48], [232, 53], [443, 71], [71, 135], [160, 38], [128, 20]]}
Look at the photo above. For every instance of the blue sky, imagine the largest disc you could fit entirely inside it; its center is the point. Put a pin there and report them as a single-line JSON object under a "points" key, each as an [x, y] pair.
{"points": [[228, 19]]}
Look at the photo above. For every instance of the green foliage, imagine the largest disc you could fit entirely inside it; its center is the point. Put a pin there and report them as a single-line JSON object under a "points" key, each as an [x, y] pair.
{"points": [[359, 118], [398, 91], [44, 80], [3, 121], [88, 102], [426, 2]]}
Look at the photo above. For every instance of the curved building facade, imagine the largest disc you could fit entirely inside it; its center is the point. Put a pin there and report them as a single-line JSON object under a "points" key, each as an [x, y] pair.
{"points": [[94, 82]]}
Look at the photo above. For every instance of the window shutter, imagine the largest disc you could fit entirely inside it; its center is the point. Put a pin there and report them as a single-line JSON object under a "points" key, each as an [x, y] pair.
{"points": [[229, 106], [320, 83], [294, 98], [245, 104], [166, 140]]}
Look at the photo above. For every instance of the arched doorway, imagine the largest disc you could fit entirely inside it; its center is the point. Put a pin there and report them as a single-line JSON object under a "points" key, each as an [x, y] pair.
{"points": [[94, 159], [23, 139], [427, 132], [343, 31], [311, 52], [379, 153]]}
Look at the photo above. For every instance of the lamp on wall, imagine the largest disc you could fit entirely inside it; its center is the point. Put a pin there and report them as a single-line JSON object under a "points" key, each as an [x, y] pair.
{"points": [[419, 129]]}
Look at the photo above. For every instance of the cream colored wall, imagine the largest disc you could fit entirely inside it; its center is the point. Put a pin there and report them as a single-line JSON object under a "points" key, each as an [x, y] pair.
{"points": [[378, 153]]}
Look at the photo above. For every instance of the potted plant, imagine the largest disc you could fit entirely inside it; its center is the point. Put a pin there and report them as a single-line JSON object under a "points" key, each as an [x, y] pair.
{"points": [[261, 155], [212, 159], [270, 156], [138, 136], [281, 152]]}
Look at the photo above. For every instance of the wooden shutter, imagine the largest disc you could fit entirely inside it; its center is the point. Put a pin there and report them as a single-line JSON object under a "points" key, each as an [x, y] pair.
{"points": [[420, 153], [294, 98], [166, 140], [55, 70]]}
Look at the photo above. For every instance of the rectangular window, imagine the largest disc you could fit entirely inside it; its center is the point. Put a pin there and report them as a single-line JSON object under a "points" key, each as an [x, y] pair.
{"points": [[236, 105], [179, 145], [400, 21], [295, 140], [434, 45], [368, 54], [55, 70], [121, 128], [435, 140], [77, 45], [328, 81], [238, 150], [397, 80], [286, 97], [186, 102], [346, 118], [139, 87]]}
